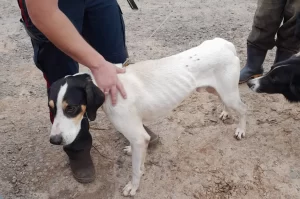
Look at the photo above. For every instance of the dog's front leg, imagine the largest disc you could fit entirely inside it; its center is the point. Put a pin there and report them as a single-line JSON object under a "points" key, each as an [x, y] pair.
{"points": [[139, 144]]}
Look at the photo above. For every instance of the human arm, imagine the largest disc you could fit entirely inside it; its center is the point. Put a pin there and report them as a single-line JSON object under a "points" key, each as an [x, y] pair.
{"points": [[55, 25]]}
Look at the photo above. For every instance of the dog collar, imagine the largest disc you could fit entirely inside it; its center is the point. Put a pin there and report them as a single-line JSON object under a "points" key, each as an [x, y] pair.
{"points": [[126, 63]]}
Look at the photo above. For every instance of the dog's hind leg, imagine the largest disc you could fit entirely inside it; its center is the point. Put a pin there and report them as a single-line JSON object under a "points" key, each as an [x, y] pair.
{"points": [[231, 98], [225, 112]]}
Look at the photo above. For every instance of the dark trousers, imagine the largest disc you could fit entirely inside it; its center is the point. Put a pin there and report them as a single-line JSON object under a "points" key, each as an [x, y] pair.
{"points": [[101, 24], [266, 24], [297, 33]]}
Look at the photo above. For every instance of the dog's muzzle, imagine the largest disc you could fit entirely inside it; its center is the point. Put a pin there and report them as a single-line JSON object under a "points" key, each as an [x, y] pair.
{"points": [[250, 84], [253, 84], [56, 139]]}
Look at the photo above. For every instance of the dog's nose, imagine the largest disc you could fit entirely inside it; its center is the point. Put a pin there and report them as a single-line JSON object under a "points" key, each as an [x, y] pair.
{"points": [[56, 139], [250, 83]]}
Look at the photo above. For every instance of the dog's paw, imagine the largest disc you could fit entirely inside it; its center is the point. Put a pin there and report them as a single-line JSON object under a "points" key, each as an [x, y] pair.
{"points": [[130, 189], [239, 133], [224, 115], [127, 150]]}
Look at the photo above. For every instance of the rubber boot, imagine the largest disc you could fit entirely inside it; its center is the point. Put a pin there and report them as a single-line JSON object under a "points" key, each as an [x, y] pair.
{"points": [[253, 67], [282, 55], [153, 137], [81, 163]]}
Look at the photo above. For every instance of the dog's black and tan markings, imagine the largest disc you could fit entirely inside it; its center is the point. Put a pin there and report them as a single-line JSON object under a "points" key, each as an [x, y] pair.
{"points": [[70, 98], [283, 78]]}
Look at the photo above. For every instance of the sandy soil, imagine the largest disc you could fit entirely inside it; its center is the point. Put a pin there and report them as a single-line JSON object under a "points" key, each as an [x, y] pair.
{"points": [[198, 157]]}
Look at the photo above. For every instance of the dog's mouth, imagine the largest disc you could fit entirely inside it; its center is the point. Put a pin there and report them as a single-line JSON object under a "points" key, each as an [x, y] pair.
{"points": [[255, 89], [254, 86]]}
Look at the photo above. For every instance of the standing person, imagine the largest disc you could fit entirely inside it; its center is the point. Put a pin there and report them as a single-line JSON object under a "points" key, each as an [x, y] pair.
{"points": [[67, 32], [266, 24]]}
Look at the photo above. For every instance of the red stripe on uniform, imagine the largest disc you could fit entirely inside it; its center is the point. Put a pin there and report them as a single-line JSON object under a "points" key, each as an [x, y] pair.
{"points": [[48, 86], [24, 16]]}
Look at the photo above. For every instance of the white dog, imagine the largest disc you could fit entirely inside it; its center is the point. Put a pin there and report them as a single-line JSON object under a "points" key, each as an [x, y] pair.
{"points": [[154, 89]]}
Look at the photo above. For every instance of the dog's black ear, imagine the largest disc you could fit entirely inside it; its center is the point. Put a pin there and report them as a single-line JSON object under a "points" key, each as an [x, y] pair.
{"points": [[95, 98]]}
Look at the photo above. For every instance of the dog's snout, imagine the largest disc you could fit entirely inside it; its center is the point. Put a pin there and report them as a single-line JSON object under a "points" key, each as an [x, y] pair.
{"points": [[250, 83], [56, 139]]}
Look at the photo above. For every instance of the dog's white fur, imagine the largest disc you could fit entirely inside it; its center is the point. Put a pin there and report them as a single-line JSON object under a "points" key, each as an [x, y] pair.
{"points": [[156, 87], [256, 84]]}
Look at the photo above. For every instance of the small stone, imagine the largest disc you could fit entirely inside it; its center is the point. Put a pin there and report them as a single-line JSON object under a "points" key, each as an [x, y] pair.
{"points": [[209, 178], [2, 117], [213, 120], [18, 84], [14, 180], [34, 180]]}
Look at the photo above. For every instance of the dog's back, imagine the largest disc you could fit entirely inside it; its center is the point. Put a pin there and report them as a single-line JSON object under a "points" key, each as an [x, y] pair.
{"points": [[155, 87]]}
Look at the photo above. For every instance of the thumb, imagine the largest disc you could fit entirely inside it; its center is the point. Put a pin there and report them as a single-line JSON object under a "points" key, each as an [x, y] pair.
{"points": [[120, 70]]}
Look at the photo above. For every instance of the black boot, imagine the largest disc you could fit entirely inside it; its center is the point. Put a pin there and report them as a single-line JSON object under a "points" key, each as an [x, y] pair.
{"points": [[282, 55], [81, 163], [253, 67], [153, 137]]}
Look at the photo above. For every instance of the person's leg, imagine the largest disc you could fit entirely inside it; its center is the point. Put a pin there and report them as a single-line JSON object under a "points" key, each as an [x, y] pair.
{"points": [[267, 19], [55, 65], [104, 29], [297, 31], [287, 43]]}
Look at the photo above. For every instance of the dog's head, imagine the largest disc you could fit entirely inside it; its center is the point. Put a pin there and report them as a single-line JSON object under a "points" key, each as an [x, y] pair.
{"points": [[283, 78], [70, 99]]}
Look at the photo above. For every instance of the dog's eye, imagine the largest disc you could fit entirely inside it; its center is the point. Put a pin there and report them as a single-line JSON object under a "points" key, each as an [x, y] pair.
{"points": [[71, 109]]}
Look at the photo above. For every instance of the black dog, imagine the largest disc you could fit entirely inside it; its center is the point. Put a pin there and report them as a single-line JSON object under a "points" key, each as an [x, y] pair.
{"points": [[283, 78]]}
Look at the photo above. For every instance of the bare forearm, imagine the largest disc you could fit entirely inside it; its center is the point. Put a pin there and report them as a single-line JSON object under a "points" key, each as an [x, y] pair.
{"points": [[62, 33]]}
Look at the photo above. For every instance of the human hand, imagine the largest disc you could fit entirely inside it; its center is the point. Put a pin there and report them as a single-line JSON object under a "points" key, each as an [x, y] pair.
{"points": [[107, 80]]}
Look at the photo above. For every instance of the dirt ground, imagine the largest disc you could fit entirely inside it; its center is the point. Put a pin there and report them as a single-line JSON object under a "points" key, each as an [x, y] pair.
{"points": [[197, 156]]}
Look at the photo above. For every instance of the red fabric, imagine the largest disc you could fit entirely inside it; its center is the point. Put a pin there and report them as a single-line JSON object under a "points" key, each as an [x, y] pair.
{"points": [[48, 86], [24, 16]]}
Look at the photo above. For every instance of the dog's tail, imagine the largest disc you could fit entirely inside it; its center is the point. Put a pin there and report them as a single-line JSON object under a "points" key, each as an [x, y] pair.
{"points": [[229, 45]]}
